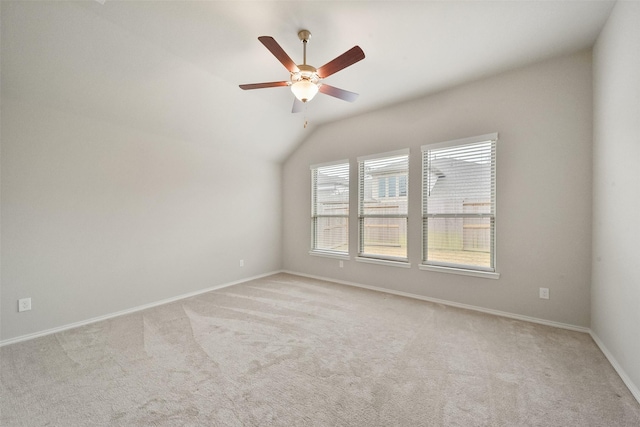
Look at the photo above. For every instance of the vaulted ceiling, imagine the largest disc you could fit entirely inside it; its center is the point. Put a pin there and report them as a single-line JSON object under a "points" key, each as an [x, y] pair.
{"points": [[173, 67]]}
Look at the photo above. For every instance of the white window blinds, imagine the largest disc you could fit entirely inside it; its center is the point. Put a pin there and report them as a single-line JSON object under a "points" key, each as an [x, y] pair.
{"points": [[330, 207], [459, 203], [383, 207]]}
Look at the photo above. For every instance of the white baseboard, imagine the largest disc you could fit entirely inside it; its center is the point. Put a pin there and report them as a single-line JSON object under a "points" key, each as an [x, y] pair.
{"points": [[128, 311], [451, 303], [635, 391]]}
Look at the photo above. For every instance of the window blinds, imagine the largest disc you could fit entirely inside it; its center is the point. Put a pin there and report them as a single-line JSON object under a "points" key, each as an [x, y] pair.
{"points": [[459, 203], [330, 207], [383, 207]]}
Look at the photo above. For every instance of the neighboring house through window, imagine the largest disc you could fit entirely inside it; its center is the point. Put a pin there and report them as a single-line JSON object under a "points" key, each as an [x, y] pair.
{"points": [[392, 186], [330, 208], [459, 203], [382, 207]]}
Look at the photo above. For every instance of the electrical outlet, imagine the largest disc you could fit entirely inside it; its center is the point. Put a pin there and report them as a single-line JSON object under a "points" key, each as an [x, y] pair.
{"points": [[24, 304], [544, 293], [241, 263], [341, 263]]}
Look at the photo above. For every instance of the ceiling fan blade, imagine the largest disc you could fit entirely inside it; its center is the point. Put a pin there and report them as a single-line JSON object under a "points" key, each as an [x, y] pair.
{"points": [[348, 58], [273, 46], [263, 85], [298, 106], [345, 95]]}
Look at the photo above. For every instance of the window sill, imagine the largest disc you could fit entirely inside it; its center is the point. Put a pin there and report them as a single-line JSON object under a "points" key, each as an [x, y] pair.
{"points": [[461, 271], [330, 255], [390, 263]]}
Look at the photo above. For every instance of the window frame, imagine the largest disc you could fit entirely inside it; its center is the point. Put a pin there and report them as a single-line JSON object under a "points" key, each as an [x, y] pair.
{"points": [[314, 210], [457, 268], [378, 258]]}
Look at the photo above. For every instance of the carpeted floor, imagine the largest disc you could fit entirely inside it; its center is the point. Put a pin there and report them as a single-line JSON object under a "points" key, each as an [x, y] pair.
{"points": [[291, 351]]}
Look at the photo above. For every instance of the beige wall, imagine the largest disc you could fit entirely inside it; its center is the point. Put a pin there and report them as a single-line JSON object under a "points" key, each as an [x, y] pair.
{"points": [[543, 114], [99, 218], [615, 303]]}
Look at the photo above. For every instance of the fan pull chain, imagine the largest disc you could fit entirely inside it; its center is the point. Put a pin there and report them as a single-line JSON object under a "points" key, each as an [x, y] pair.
{"points": [[306, 122]]}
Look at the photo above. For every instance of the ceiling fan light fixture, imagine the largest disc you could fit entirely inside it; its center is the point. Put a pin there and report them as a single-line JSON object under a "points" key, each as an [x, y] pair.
{"points": [[305, 80], [304, 83], [304, 90]]}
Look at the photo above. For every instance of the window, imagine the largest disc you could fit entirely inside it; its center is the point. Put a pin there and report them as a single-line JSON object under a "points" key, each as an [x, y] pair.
{"points": [[392, 186], [330, 208], [459, 203], [402, 185], [382, 207]]}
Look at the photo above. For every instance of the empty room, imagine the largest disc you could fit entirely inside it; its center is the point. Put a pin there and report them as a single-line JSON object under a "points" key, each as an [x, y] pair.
{"points": [[319, 213]]}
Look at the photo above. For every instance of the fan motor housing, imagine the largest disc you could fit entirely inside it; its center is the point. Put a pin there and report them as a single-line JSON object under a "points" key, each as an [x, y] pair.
{"points": [[307, 72]]}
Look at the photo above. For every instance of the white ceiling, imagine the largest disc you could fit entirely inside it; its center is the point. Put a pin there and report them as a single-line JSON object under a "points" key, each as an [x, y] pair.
{"points": [[173, 67]]}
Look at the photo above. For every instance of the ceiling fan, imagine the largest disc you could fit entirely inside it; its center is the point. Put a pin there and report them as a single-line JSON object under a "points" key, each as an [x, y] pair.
{"points": [[305, 80]]}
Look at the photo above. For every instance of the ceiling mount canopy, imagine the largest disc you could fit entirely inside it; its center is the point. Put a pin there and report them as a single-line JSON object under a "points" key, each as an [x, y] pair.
{"points": [[305, 80]]}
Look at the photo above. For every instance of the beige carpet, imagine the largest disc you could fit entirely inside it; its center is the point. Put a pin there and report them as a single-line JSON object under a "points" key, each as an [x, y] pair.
{"points": [[291, 351]]}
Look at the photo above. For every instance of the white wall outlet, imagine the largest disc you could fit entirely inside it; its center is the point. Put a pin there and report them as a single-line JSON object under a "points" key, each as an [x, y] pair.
{"points": [[241, 263], [544, 293], [341, 263], [24, 304]]}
